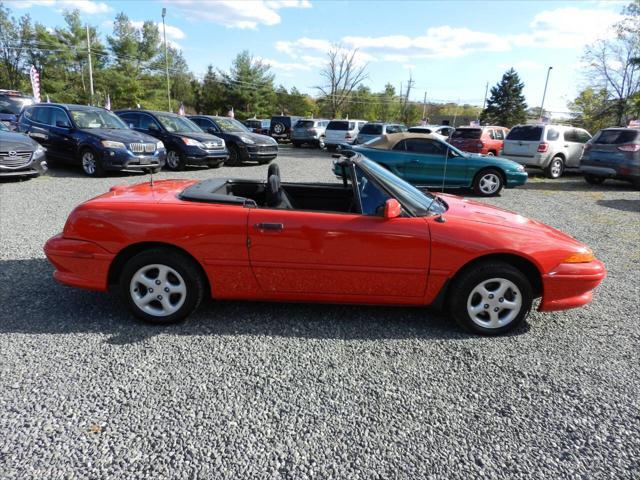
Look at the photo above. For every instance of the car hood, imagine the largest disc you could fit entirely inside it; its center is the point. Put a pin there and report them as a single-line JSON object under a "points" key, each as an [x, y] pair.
{"points": [[256, 137], [200, 136], [477, 212], [16, 141], [120, 135]]}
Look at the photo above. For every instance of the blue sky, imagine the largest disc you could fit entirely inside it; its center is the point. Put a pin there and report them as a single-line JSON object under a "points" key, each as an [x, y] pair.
{"points": [[450, 48]]}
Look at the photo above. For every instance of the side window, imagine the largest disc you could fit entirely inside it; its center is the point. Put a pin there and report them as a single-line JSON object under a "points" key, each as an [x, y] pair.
{"points": [[491, 133], [570, 135], [42, 115], [59, 118], [372, 197], [146, 120], [552, 134], [131, 119], [401, 146], [583, 136], [425, 147], [498, 134], [352, 126]]}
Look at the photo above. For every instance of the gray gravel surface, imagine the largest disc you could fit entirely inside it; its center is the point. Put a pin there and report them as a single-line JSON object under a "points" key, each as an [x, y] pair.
{"points": [[255, 390]]}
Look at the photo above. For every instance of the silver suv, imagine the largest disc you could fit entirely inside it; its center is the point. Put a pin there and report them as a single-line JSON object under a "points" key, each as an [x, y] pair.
{"points": [[375, 129], [309, 130], [550, 147]]}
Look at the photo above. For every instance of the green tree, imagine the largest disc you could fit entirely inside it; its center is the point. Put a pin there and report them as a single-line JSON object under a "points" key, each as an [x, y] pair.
{"points": [[592, 109], [14, 37], [506, 106]]}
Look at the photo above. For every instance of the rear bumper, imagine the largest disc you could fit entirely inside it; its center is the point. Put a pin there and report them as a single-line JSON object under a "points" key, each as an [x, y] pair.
{"points": [[624, 171], [570, 285], [79, 263]]}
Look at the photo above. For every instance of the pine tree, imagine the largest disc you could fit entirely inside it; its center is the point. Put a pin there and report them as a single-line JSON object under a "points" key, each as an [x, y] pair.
{"points": [[506, 107]]}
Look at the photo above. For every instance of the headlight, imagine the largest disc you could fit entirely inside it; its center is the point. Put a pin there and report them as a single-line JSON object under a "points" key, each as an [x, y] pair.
{"points": [[159, 145], [222, 144], [40, 151], [520, 168], [112, 144], [192, 142], [247, 140], [273, 141]]}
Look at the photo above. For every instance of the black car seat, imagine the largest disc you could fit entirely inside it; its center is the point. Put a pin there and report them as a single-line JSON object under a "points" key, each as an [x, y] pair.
{"points": [[276, 196]]}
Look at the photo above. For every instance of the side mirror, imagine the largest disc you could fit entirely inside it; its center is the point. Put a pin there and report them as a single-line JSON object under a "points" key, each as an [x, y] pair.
{"points": [[62, 124], [153, 127], [392, 209], [211, 130]]}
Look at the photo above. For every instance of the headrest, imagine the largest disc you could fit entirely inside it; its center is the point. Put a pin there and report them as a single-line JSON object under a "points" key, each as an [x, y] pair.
{"points": [[274, 169], [274, 183]]}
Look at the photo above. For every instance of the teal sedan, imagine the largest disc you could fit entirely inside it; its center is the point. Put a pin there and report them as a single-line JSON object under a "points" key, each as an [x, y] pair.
{"points": [[428, 161]]}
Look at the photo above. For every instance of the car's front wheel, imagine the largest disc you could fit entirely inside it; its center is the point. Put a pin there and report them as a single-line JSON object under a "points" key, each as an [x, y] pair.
{"points": [[91, 164], [488, 183], [491, 298], [175, 161], [161, 286]]}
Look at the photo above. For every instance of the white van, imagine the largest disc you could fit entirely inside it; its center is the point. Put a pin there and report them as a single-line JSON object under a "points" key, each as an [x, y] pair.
{"points": [[342, 131]]}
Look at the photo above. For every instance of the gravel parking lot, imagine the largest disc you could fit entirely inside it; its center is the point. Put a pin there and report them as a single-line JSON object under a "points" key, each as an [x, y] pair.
{"points": [[256, 390]]}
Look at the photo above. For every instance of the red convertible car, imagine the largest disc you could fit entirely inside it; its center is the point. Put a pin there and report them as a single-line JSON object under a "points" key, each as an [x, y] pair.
{"points": [[372, 239]]}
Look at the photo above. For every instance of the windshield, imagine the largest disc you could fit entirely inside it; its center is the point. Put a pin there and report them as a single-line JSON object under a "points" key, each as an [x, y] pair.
{"points": [[174, 123], [13, 105], [421, 203], [470, 133], [3, 127], [96, 119], [230, 125], [614, 137]]}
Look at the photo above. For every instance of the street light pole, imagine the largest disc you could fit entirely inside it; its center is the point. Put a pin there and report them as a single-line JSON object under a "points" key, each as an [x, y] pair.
{"points": [[544, 94], [166, 56]]}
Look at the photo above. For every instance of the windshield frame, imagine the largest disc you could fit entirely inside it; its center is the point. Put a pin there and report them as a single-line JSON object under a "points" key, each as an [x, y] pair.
{"points": [[109, 115], [416, 202], [161, 119]]}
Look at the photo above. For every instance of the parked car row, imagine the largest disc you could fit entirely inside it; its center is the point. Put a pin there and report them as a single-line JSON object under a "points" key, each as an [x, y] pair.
{"points": [[100, 141]]}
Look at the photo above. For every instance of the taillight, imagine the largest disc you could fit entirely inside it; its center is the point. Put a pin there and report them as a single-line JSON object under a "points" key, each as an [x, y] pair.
{"points": [[630, 147], [347, 136], [587, 147], [543, 147]]}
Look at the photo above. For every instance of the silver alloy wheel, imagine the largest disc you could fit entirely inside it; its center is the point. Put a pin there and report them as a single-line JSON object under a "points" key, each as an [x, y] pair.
{"points": [[490, 183], [556, 167], [173, 160], [89, 163], [494, 303], [158, 290], [321, 142]]}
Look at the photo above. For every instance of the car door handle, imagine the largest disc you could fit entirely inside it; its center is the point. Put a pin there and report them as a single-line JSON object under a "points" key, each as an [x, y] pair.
{"points": [[566, 145], [269, 226]]}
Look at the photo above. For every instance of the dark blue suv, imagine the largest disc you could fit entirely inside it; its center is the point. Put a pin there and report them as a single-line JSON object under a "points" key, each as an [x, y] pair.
{"points": [[185, 141], [93, 137]]}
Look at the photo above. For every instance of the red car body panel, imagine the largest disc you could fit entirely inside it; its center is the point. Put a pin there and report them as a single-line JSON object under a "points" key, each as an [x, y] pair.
{"points": [[318, 256], [483, 145]]}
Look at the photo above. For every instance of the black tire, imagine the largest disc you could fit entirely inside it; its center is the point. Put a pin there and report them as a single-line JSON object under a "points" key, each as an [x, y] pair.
{"points": [[555, 168], [215, 164], [296, 144], [175, 161], [186, 267], [488, 182], [594, 179], [331, 148], [234, 156], [461, 295], [91, 163]]}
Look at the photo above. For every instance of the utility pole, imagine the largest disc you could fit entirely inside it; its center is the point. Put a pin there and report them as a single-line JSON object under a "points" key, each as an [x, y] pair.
{"points": [[544, 94], [486, 90], [90, 67], [166, 57], [424, 106]]}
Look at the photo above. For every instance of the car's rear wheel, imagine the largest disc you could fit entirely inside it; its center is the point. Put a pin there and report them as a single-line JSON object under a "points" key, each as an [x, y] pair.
{"points": [[555, 168], [488, 182], [491, 298], [594, 179], [161, 286], [91, 164], [175, 161]]}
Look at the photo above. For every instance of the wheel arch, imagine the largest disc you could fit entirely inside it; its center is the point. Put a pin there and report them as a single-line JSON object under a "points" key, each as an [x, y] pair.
{"points": [[127, 253], [525, 265]]}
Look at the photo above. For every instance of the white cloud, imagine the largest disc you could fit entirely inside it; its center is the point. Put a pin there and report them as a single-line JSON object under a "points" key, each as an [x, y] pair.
{"points": [[237, 14], [85, 6], [567, 27], [285, 66], [523, 65]]}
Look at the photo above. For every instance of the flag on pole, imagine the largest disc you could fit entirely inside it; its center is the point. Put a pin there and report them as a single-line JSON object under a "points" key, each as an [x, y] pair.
{"points": [[230, 113], [181, 110], [35, 83], [48, 101], [107, 104]]}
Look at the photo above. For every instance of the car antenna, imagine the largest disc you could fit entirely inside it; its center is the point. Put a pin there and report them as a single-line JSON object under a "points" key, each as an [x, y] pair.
{"points": [[440, 218], [151, 177]]}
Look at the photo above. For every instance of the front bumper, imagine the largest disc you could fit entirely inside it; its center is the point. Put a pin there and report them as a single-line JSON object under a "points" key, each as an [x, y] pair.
{"points": [[515, 179], [119, 159], [197, 155], [34, 168], [79, 263], [259, 152], [570, 285]]}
